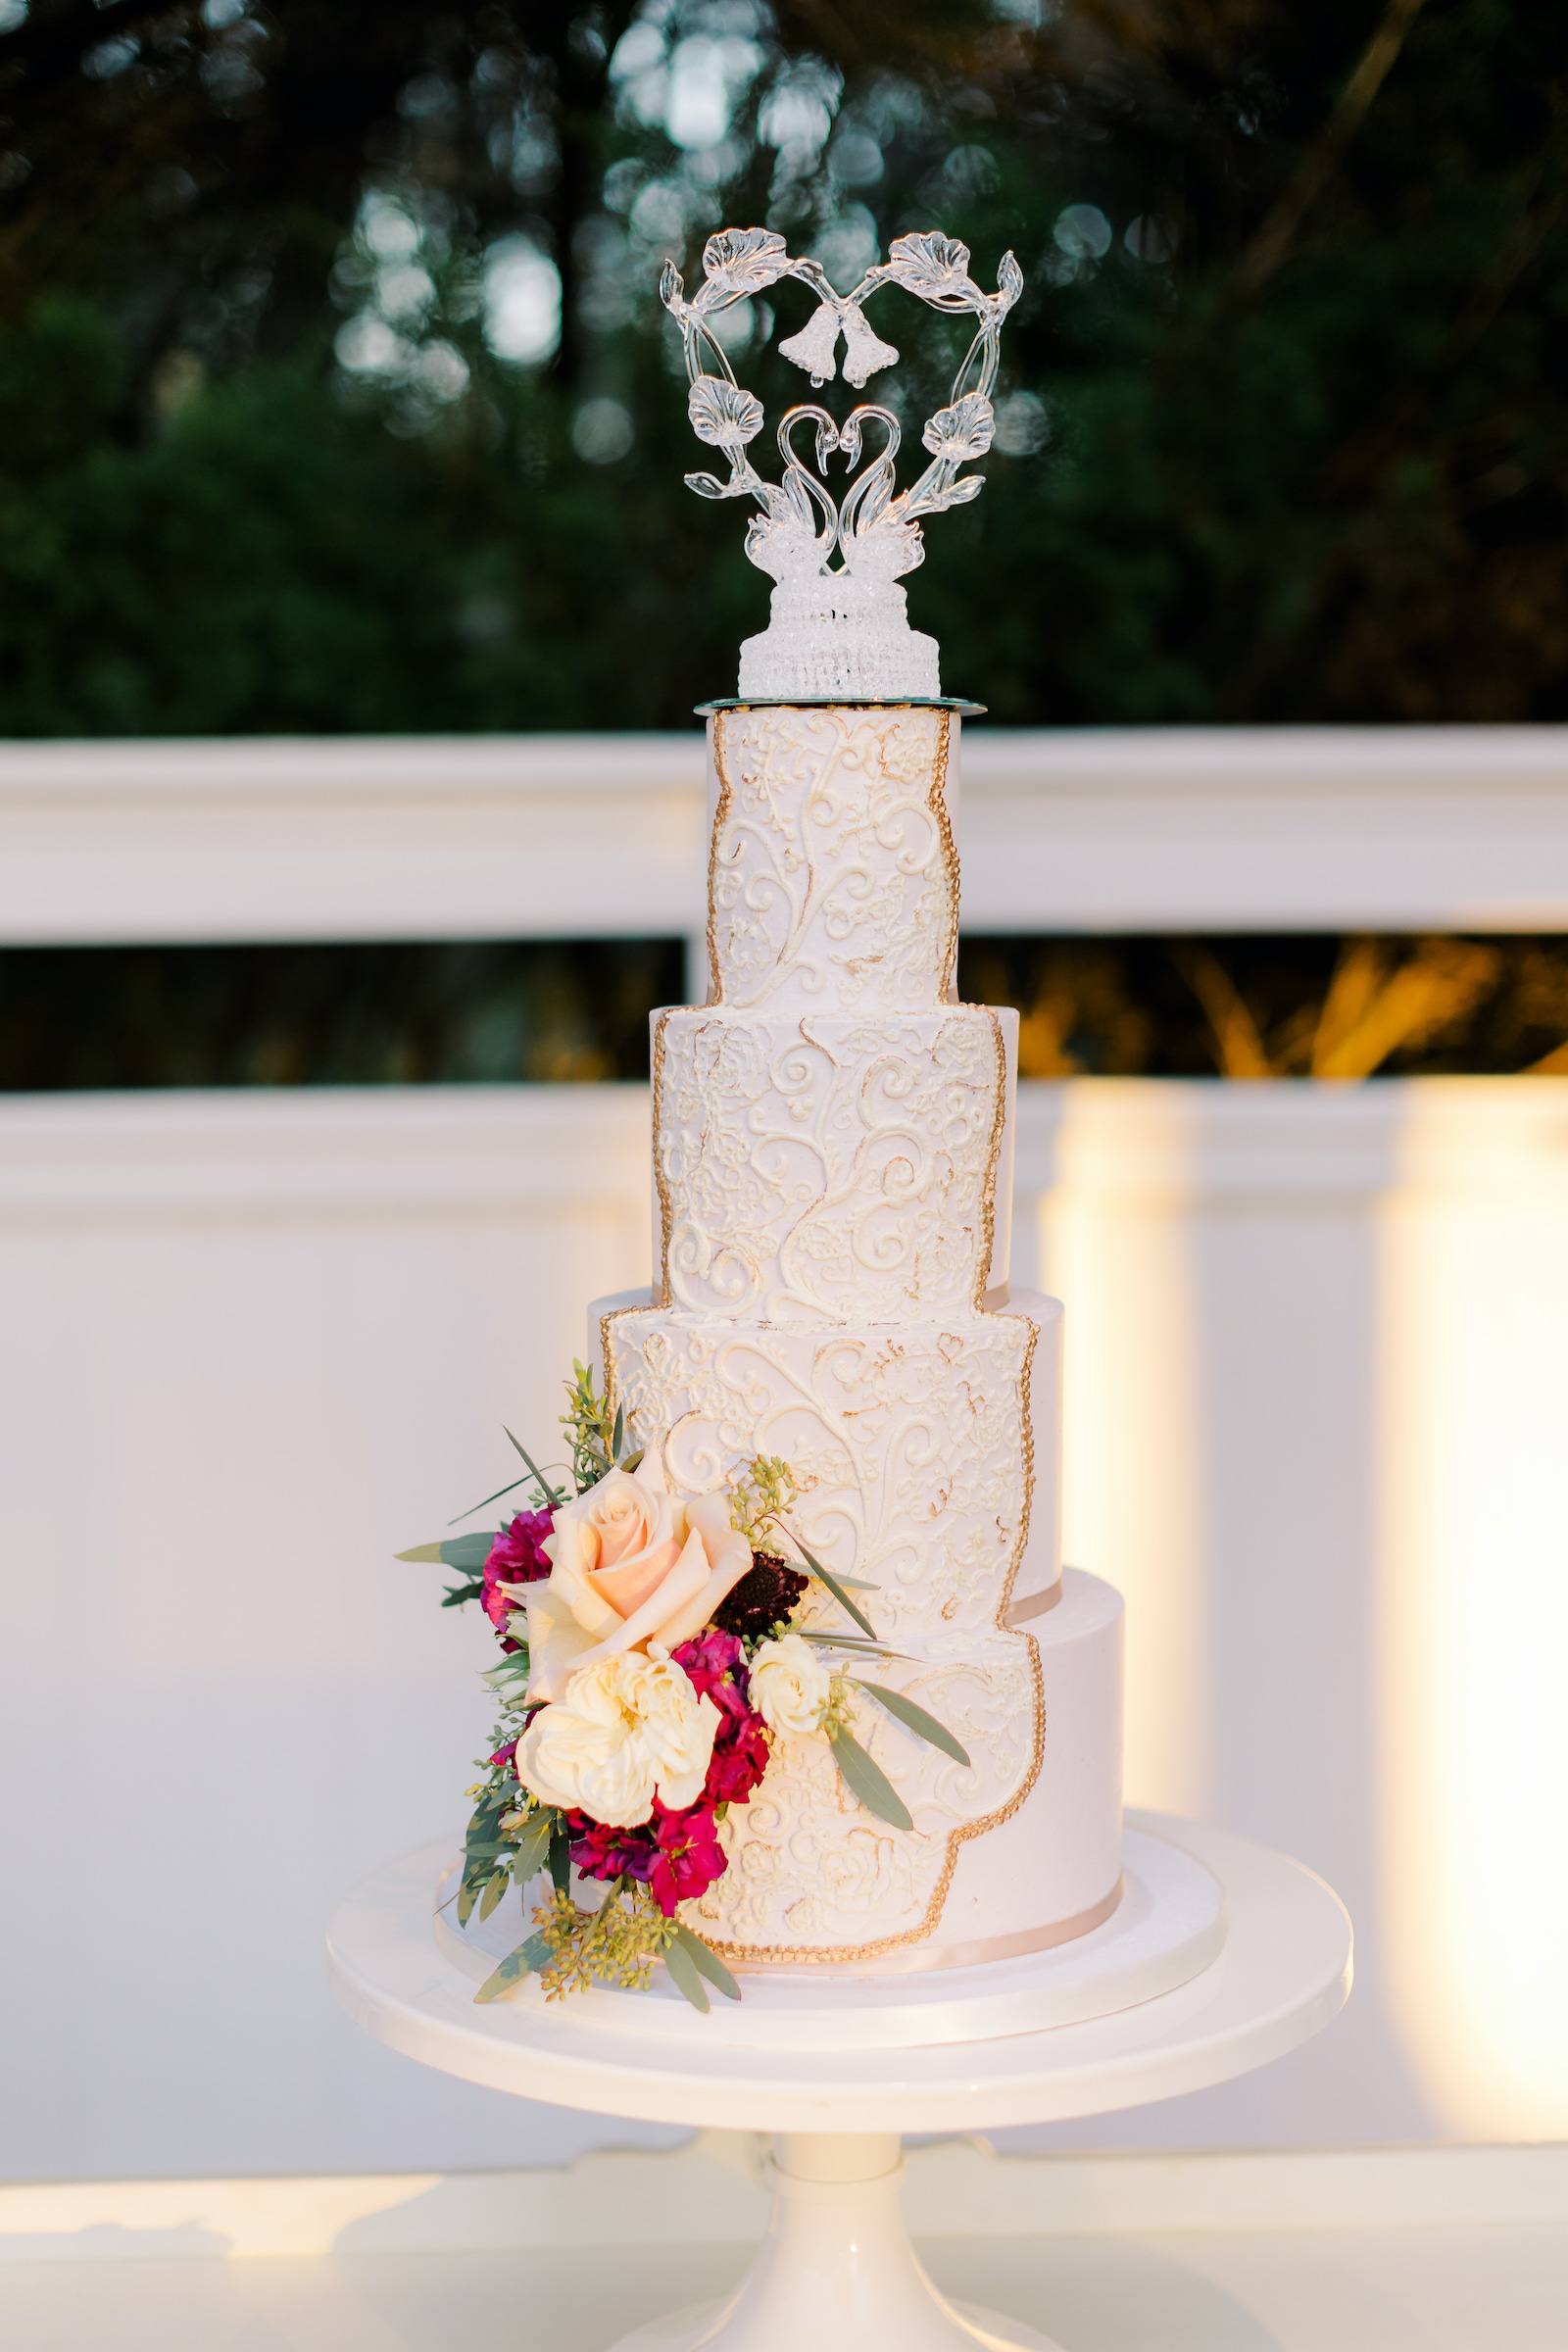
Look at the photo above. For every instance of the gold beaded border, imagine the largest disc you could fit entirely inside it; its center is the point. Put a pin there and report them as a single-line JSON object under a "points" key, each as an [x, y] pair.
{"points": [[950, 851], [661, 1181], [716, 985], [988, 1189]]}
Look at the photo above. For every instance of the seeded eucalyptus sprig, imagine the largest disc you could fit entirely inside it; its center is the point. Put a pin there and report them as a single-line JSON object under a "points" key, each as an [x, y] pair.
{"points": [[761, 1497]]}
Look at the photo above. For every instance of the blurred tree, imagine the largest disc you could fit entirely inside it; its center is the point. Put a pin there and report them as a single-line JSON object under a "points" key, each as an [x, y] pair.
{"points": [[335, 394]]}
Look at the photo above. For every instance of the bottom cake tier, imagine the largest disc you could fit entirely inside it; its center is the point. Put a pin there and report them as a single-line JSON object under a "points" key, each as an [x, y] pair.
{"points": [[814, 1881]]}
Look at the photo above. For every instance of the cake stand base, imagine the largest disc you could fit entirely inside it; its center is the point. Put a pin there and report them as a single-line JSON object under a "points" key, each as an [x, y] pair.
{"points": [[836, 2272], [836, 2268]]}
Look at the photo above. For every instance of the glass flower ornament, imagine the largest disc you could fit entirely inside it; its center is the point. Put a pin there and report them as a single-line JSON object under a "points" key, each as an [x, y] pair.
{"points": [[839, 627]]}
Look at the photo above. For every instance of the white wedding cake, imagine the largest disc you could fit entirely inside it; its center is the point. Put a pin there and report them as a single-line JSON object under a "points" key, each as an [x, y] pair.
{"points": [[791, 1674], [832, 1167]]}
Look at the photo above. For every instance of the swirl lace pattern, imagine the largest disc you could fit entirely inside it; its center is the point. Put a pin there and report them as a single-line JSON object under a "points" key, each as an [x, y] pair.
{"points": [[833, 880], [823, 1169], [915, 1446]]}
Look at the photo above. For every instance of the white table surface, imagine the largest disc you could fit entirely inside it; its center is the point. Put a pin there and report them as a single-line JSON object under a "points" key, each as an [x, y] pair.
{"points": [[1485, 2287]]}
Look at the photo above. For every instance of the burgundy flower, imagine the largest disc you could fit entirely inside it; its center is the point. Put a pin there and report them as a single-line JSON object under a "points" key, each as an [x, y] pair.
{"points": [[765, 1596], [507, 1755], [716, 1664], [515, 1559], [602, 1852], [689, 1858], [738, 1763], [707, 1660]]}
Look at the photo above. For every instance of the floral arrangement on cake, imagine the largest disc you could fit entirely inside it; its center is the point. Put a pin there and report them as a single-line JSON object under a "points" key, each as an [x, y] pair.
{"points": [[651, 1655]]}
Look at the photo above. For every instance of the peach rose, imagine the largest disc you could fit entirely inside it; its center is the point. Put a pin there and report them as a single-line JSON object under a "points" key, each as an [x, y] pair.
{"points": [[629, 1565]]}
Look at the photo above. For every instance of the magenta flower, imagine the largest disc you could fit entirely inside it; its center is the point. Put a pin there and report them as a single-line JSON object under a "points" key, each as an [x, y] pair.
{"points": [[707, 1660], [715, 1664], [738, 1763], [676, 1854], [602, 1852], [688, 1860], [515, 1558]]}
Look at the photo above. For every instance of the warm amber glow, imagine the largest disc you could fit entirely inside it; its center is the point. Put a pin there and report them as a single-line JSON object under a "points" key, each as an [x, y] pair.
{"points": [[1114, 1245], [1206, 1239], [1471, 1673]]}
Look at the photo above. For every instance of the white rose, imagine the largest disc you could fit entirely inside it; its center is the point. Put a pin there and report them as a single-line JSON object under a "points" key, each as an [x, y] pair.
{"points": [[788, 1684], [629, 1564], [678, 1725], [628, 1729]]}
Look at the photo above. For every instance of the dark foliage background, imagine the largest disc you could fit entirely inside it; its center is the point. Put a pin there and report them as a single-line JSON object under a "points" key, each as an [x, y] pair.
{"points": [[486, 1010], [288, 440]]}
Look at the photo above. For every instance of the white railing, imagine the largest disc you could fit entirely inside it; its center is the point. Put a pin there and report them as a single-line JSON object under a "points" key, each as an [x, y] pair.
{"points": [[1291, 828], [256, 1342]]}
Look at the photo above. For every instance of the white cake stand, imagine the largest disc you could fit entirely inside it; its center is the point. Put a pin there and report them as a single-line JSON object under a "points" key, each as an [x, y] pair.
{"points": [[836, 2265]]}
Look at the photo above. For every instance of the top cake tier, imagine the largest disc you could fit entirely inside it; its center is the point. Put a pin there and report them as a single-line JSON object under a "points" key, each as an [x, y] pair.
{"points": [[833, 877]]}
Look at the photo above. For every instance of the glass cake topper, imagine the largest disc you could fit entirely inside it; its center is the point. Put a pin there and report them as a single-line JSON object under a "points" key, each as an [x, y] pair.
{"points": [[839, 628]]}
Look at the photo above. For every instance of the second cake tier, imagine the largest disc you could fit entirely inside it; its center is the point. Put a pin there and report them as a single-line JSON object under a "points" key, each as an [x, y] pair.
{"points": [[824, 1167], [927, 1455]]}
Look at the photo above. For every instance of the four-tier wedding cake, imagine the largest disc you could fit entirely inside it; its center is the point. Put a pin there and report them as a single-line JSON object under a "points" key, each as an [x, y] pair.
{"points": [[833, 1174], [832, 1167], [792, 1675]]}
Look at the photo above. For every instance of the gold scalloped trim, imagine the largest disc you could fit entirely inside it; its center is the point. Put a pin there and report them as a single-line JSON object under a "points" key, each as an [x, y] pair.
{"points": [[661, 1181], [716, 983], [988, 1188], [938, 806]]}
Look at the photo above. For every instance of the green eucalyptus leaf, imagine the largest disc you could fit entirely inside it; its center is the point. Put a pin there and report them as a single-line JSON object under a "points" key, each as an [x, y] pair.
{"points": [[559, 1855], [868, 1782], [551, 1493], [513, 1669], [533, 1848], [492, 1895], [634, 1460], [823, 1577], [465, 1898], [420, 1551], [497, 1497], [617, 1436], [684, 1976], [916, 1719], [456, 1597], [468, 1552], [707, 1962], [853, 1644], [517, 1965]]}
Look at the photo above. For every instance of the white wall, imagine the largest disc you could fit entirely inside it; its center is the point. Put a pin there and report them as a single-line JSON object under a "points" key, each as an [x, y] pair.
{"points": [[255, 1344]]}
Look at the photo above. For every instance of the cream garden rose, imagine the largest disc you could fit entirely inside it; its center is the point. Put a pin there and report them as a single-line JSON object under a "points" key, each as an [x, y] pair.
{"points": [[789, 1684], [629, 1564], [627, 1729]]}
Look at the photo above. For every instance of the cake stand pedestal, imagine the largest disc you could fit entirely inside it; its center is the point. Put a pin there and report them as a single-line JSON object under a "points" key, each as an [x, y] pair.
{"points": [[836, 2261]]}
